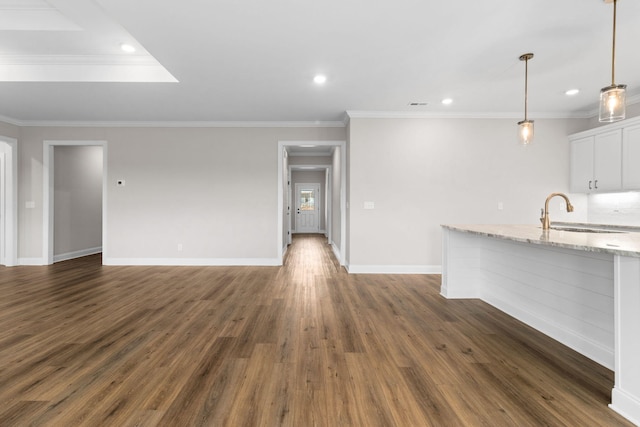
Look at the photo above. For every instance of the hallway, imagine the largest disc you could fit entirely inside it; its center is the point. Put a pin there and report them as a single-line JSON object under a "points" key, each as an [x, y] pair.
{"points": [[300, 345]]}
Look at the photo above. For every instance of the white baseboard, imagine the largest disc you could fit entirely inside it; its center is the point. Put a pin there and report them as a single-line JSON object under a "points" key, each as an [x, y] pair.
{"points": [[336, 252], [199, 262], [625, 404], [31, 261], [77, 254], [394, 269]]}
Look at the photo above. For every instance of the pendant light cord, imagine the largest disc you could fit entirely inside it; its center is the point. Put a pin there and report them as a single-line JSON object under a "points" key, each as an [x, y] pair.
{"points": [[613, 50], [526, 91]]}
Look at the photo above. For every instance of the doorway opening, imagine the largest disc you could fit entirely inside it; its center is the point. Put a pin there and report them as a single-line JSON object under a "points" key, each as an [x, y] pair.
{"points": [[329, 159], [74, 199]]}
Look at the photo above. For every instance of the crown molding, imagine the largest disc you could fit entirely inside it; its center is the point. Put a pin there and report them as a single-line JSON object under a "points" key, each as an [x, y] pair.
{"points": [[43, 60], [83, 68], [173, 124], [460, 115], [348, 115], [10, 121]]}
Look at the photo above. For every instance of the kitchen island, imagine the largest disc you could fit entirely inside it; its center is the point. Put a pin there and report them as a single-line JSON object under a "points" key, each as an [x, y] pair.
{"points": [[580, 288]]}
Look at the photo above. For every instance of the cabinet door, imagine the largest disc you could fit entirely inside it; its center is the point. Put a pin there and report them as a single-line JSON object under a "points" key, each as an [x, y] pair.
{"points": [[581, 165], [631, 158], [607, 161]]}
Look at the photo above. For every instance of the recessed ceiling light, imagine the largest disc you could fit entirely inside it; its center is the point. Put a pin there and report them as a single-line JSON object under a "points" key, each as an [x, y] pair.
{"points": [[447, 101], [572, 92], [127, 48], [320, 79]]}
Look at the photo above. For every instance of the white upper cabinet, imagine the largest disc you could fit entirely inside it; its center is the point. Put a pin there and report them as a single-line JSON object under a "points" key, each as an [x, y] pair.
{"points": [[581, 180], [631, 158], [606, 159]]}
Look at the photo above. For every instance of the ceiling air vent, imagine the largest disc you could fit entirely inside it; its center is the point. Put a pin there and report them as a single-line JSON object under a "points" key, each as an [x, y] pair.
{"points": [[418, 104]]}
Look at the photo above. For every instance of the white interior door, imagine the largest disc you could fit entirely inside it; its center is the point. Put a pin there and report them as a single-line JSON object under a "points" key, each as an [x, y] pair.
{"points": [[307, 213]]}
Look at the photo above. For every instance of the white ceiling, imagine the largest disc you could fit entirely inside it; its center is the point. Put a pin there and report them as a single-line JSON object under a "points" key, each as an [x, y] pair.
{"points": [[254, 60]]}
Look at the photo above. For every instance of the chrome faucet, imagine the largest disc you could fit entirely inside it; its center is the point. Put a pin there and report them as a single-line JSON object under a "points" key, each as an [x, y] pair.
{"points": [[544, 219]]}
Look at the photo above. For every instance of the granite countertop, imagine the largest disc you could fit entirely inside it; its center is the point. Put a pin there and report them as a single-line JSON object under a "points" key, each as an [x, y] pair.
{"points": [[625, 241]]}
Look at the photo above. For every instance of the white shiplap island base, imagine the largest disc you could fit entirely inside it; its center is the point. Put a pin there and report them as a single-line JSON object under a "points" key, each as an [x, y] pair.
{"points": [[580, 288]]}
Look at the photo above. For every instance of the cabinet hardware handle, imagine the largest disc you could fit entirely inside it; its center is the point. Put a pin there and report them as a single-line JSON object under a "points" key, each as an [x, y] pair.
{"points": [[596, 184], [590, 185]]}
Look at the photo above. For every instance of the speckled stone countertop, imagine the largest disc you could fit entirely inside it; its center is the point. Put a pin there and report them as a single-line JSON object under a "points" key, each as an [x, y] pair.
{"points": [[625, 241]]}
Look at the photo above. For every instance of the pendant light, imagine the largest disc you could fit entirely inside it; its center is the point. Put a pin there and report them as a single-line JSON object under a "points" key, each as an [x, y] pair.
{"points": [[612, 98], [525, 127]]}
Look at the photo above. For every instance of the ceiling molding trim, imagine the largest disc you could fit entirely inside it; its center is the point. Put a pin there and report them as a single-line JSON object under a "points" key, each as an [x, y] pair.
{"points": [[633, 99], [461, 115], [10, 121], [140, 60], [83, 68], [586, 114], [175, 124]]}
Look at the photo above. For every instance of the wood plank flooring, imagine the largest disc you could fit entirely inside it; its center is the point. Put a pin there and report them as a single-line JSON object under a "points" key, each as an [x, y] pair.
{"points": [[301, 345]]}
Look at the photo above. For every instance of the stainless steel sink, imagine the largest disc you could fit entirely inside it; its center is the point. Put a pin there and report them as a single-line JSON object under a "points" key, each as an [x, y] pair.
{"points": [[585, 230]]}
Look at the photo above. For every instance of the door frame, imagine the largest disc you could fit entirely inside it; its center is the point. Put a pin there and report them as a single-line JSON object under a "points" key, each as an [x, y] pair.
{"points": [[48, 192], [318, 188], [280, 218], [9, 204]]}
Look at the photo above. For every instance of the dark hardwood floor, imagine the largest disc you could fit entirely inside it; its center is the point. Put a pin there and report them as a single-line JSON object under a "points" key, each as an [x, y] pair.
{"points": [[301, 345]]}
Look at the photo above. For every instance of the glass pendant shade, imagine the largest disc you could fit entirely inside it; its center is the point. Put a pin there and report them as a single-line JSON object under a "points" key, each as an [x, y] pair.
{"points": [[612, 103], [525, 132]]}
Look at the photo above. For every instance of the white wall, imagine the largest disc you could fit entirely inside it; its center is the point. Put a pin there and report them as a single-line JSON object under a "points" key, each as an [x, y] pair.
{"points": [[77, 201], [421, 173], [212, 190]]}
